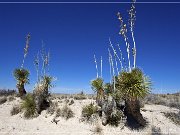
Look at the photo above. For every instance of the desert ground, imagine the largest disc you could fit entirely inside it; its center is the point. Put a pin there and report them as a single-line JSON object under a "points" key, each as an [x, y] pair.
{"points": [[46, 123]]}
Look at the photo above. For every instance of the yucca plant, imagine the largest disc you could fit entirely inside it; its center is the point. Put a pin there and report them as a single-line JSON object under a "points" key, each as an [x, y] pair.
{"points": [[108, 88], [133, 86], [41, 93], [97, 86], [22, 77]]}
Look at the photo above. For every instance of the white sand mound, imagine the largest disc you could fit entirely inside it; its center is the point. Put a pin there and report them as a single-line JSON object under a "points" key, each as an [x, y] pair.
{"points": [[43, 125]]}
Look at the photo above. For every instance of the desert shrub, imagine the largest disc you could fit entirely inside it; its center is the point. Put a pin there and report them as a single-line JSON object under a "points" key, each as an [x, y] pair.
{"points": [[66, 101], [89, 110], [175, 117], [29, 106], [155, 130], [52, 108], [15, 110], [71, 102], [97, 129], [115, 118], [58, 112], [11, 98], [3, 100], [80, 97], [66, 112]]}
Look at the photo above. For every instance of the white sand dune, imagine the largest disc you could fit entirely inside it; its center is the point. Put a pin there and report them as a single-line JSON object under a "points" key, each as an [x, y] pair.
{"points": [[43, 125]]}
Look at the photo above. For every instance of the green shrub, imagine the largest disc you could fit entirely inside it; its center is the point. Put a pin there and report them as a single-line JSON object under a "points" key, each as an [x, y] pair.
{"points": [[58, 112], [115, 118], [11, 98], [155, 130], [88, 110], [15, 110], [97, 129], [29, 106], [66, 112], [52, 108], [175, 117], [71, 102], [80, 97], [3, 100]]}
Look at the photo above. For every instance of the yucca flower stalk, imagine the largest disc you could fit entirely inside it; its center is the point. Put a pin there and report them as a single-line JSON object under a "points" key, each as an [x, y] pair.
{"points": [[26, 49], [123, 32], [112, 64], [121, 56], [114, 51], [45, 60], [132, 18], [101, 66], [96, 66], [36, 63]]}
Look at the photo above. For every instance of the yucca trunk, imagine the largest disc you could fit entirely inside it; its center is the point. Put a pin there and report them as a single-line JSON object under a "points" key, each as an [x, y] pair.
{"points": [[132, 109], [21, 90], [100, 97]]}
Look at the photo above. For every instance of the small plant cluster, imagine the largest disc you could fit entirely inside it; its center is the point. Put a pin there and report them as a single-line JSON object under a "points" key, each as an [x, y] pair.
{"points": [[65, 112], [175, 117], [15, 110], [89, 110], [52, 108], [80, 96], [3, 100], [155, 130], [29, 106], [170, 100], [115, 118]]}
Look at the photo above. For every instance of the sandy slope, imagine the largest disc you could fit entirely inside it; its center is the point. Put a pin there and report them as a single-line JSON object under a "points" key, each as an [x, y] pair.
{"points": [[10, 125]]}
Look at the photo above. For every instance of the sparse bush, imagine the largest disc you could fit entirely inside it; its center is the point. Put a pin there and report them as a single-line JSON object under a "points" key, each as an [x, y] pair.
{"points": [[29, 106], [52, 108], [15, 110], [98, 129], [58, 112], [71, 102], [66, 101], [80, 97], [66, 112], [88, 110], [155, 130], [175, 117], [115, 118], [11, 98], [3, 100]]}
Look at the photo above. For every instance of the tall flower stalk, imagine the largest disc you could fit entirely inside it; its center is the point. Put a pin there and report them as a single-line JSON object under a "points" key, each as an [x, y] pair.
{"points": [[112, 64], [26, 49], [96, 66], [132, 18], [36, 63], [114, 51], [121, 56], [101, 66], [123, 32]]}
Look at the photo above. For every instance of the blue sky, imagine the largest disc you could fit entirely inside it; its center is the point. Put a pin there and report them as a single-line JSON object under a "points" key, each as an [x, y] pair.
{"points": [[74, 32]]}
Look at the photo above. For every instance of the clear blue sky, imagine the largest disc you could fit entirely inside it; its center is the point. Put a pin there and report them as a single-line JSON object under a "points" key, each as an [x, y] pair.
{"points": [[74, 32]]}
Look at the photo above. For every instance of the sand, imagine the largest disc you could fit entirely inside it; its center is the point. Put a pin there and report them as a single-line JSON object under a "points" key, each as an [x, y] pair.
{"points": [[43, 125]]}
